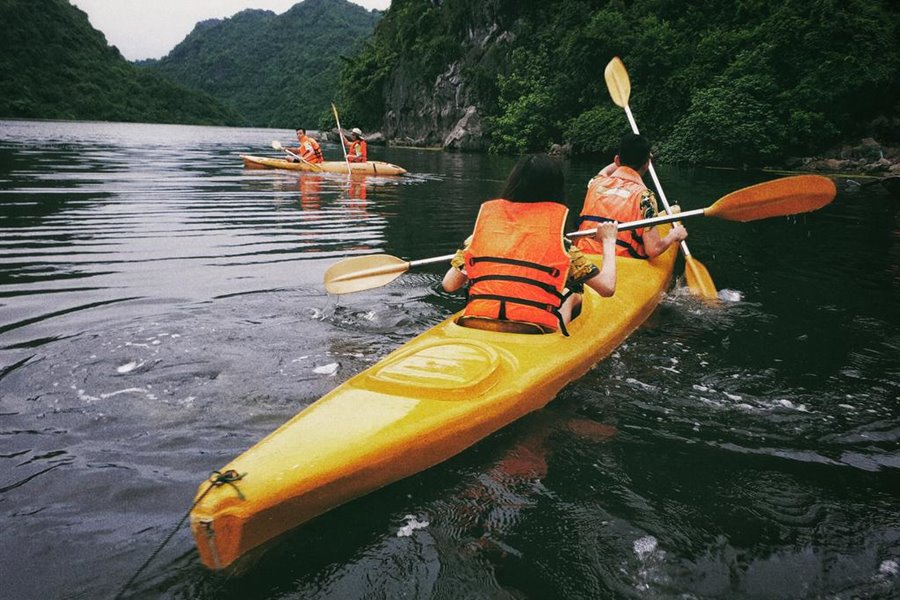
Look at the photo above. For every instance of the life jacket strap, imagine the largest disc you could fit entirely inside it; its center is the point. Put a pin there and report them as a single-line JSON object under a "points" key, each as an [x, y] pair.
{"points": [[547, 287], [501, 315], [552, 271]]}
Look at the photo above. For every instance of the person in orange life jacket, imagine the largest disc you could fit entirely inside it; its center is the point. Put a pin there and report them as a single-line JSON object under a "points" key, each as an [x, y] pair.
{"points": [[517, 261], [308, 149], [617, 192], [356, 146]]}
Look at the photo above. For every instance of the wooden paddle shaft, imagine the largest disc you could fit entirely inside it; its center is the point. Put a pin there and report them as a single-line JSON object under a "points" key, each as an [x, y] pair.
{"points": [[401, 267], [643, 222], [337, 120], [662, 194], [428, 261]]}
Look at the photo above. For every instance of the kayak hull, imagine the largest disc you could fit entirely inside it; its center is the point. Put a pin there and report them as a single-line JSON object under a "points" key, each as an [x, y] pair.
{"points": [[429, 400], [372, 167]]}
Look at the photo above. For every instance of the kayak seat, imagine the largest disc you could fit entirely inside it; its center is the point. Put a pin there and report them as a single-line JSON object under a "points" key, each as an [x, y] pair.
{"points": [[487, 324]]}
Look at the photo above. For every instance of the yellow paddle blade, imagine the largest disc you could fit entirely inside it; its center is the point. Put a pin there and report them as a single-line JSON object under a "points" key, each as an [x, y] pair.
{"points": [[363, 273], [776, 198], [617, 81], [698, 279]]}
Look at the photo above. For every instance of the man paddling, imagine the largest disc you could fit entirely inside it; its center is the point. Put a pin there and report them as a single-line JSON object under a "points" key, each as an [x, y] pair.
{"points": [[356, 147], [308, 149], [617, 193]]}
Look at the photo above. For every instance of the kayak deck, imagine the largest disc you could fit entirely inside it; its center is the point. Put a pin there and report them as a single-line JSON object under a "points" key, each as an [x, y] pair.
{"points": [[432, 398], [372, 167]]}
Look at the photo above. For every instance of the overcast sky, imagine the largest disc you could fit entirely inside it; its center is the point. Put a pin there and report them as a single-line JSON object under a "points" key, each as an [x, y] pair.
{"points": [[151, 28]]}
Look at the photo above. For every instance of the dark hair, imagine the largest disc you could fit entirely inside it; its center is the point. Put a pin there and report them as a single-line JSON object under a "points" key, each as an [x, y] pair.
{"points": [[535, 178], [634, 150], [301, 129]]}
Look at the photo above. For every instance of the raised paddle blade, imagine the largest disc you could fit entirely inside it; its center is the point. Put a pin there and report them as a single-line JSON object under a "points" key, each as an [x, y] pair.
{"points": [[360, 273], [617, 81], [277, 145], [698, 279], [776, 198]]}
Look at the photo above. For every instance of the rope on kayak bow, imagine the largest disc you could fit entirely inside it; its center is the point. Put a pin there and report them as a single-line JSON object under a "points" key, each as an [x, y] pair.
{"points": [[216, 479]]}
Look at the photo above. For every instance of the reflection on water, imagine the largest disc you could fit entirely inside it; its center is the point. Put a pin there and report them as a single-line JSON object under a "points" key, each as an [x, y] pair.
{"points": [[161, 309]]}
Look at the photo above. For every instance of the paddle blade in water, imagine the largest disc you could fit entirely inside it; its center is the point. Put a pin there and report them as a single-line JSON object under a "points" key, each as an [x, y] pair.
{"points": [[617, 81], [698, 279], [776, 198], [363, 273]]}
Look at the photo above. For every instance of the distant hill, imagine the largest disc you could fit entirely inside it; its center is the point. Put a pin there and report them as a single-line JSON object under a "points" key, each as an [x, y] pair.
{"points": [[54, 65], [276, 70]]}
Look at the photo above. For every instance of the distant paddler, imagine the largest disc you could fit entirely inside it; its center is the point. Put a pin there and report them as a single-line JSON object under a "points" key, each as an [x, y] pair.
{"points": [[356, 146], [308, 150]]}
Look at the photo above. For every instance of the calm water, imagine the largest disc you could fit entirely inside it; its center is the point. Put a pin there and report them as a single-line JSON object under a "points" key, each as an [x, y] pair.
{"points": [[161, 309]]}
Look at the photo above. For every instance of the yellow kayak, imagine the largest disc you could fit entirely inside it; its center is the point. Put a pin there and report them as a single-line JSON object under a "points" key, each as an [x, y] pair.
{"points": [[427, 401], [372, 167]]}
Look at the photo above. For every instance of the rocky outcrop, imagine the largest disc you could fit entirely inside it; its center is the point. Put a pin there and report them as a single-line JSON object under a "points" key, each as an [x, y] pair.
{"points": [[868, 157], [418, 115], [444, 111], [466, 135]]}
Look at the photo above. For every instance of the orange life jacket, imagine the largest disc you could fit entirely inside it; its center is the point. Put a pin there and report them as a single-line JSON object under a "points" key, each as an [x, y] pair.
{"points": [[517, 264], [357, 151], [614, 198], [310, 150]]}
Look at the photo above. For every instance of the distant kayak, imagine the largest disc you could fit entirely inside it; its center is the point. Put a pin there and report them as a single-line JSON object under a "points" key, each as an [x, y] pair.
{"points": [[430, 399], [372, 167]]}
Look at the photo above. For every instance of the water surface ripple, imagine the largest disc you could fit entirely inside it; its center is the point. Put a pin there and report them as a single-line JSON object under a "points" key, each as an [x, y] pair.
{"points": [[162, 309]]}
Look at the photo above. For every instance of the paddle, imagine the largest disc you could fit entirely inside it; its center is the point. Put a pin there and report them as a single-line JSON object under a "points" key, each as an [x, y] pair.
{"points": [[341, 135], [619, 84], [277, 146], [779, 197]]}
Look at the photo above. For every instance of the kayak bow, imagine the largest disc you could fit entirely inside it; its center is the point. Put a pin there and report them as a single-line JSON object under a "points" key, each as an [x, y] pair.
{"points": [[427, 401]]}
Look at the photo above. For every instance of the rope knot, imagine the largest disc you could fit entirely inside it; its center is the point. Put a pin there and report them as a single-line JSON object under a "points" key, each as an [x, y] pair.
{"points": [[218, 478]]}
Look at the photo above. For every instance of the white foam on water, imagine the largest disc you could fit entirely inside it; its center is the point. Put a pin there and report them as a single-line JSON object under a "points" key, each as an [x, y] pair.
{"points": [[889, 567], [329, 369], [88, 398], [633, 381], [128, 367], [785, 403], [645, 546], [412, 523], [730, 295]]}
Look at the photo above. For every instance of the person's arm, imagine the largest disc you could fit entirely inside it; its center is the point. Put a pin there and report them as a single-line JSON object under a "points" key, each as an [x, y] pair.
{"points": [[604, 282], [655, 245], [455, 278]]}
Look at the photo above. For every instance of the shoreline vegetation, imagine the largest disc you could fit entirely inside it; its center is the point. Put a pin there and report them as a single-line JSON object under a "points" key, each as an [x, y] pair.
{"points": [[794, 85]]}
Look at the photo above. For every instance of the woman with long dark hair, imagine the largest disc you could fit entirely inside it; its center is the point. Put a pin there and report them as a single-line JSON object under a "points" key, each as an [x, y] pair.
{"points": [[523, 275]]}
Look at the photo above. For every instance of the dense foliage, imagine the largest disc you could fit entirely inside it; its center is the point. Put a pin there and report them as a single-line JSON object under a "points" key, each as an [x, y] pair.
{"points": [[276, 70], [54, 65], [713, 81]]}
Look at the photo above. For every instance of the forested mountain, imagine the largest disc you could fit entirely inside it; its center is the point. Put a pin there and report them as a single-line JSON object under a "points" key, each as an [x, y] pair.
{"points": [[276, 70], [54, 65], [713, 81]]}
